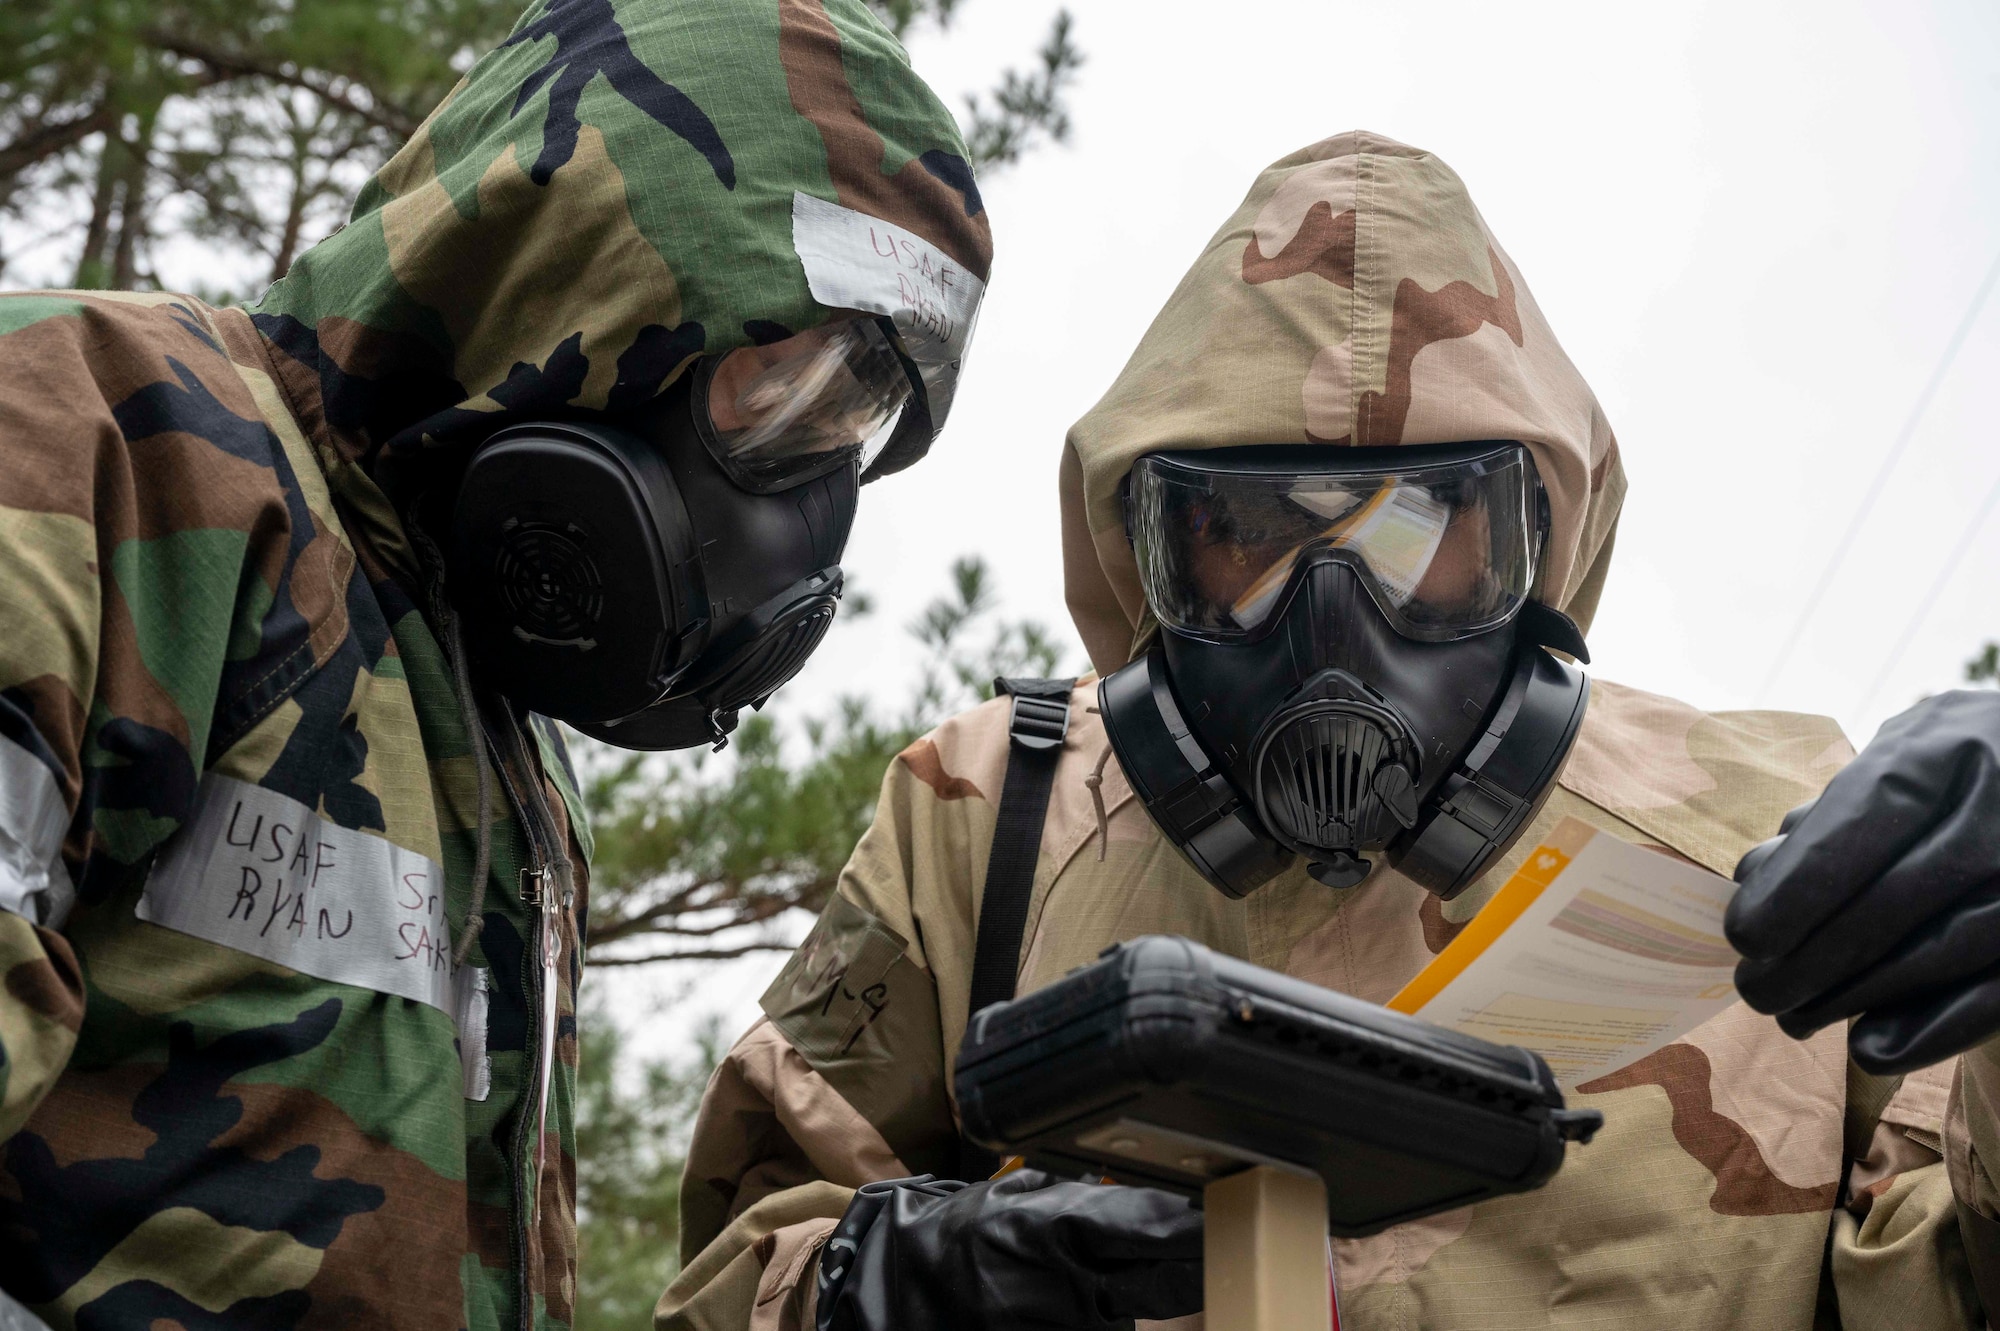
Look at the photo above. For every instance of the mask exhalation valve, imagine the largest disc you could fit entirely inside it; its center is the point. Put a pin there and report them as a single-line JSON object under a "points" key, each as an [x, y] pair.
{"points": [[1334, 774], [772, 643]]}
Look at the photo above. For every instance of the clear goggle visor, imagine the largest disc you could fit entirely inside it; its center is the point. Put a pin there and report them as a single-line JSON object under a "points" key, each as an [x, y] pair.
{"points": [[779, 414], [1446, 547]]}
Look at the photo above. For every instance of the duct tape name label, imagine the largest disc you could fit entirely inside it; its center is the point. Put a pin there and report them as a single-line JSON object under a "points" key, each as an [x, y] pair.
{"points": [[262, 873], [856, 262]]}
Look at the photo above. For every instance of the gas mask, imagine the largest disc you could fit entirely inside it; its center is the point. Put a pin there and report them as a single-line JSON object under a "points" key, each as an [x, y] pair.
{"points": [[1348, 662], [646, 579]]}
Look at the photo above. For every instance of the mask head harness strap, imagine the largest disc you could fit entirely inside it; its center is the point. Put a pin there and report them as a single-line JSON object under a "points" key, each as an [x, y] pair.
{"points": [[1183, 789], [1504, 780]]}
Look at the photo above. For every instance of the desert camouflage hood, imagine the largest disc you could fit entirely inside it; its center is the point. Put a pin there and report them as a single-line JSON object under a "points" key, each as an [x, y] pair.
{"points": [[610, 193], [1357, 297]]}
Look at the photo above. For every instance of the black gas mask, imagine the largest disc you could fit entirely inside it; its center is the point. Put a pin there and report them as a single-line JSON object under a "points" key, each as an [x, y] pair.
{"points": [[1349, 662], [647, 578]]}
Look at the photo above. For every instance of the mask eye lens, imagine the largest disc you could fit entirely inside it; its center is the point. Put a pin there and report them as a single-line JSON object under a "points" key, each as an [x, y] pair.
{"points": [[1445, 545], [778, 414]]}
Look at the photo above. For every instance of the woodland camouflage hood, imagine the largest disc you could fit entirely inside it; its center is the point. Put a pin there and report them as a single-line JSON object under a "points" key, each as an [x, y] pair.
{"points": [[291, 924], [606, 196], [1356, 297]]}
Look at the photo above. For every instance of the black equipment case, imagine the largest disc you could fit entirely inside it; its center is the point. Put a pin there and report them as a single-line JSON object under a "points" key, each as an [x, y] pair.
{"points": [[1168, 1065]]}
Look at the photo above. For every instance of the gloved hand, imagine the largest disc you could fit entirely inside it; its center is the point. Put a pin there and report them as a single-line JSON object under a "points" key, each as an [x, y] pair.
{"points": [[1881, 899], [1020, 1253]]}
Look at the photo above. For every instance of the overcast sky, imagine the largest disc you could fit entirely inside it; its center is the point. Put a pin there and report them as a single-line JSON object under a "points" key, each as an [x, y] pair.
{"points": [[1755, 226]]}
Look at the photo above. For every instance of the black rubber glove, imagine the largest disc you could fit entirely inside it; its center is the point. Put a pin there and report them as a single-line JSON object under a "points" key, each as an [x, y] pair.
{"points": [[1021, 1253], [1880, 900]]}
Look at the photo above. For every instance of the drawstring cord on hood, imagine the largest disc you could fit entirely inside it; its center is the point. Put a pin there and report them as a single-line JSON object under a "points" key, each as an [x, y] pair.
{"points": [[1095, 784], [482, 858], [550, 863]]}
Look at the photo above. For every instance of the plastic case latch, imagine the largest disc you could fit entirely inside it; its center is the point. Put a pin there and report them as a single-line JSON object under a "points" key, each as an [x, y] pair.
{"points": [[1577, 1125]]}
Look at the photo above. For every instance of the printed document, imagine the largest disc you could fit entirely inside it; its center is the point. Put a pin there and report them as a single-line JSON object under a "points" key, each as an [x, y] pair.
{"points": [[1594, 954]]}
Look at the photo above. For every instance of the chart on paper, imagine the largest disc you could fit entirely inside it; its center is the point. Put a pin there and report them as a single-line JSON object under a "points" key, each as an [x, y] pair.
{"points": [[1594, 954]]}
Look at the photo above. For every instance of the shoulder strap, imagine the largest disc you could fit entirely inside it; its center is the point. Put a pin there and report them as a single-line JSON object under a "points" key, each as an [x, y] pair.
{"points": [[1034, 743]]}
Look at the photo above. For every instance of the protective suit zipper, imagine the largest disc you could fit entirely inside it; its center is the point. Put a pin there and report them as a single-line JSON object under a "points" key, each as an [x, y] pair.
{"points": [[546, 884]]}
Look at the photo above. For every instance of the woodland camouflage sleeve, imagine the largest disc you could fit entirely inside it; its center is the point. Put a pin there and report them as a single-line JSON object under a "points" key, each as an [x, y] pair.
{"points": [[842, 1083], [46, 577], [128, 501], [50, 598], [40, 1013]]}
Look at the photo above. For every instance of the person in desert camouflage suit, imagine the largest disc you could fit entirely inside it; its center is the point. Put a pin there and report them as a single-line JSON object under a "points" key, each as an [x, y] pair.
{"points": [[215, 638], [1743, 1179]]}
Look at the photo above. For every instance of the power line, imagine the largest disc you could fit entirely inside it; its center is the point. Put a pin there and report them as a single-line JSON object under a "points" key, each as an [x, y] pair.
{"points": [[1984, 512], [1876, 486]]}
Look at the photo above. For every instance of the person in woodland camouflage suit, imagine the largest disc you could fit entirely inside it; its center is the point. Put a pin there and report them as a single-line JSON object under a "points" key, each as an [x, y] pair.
{"points": [[223, 683], [1743, 1178]]}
